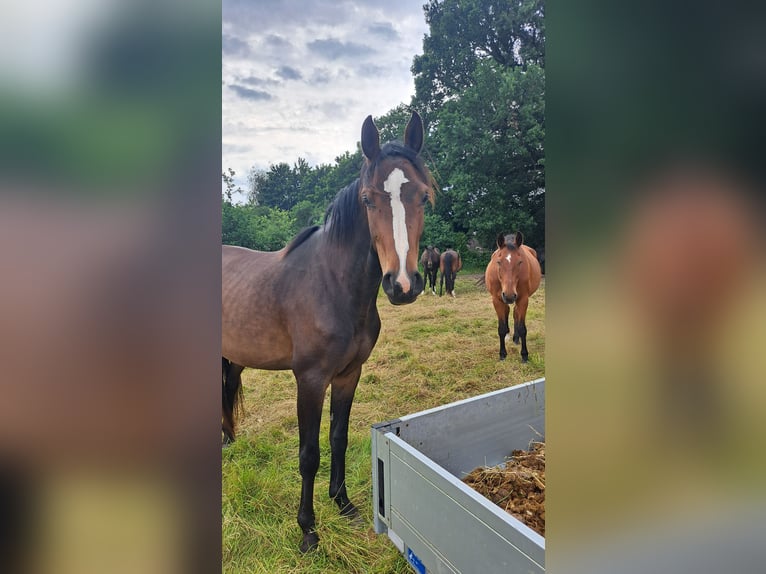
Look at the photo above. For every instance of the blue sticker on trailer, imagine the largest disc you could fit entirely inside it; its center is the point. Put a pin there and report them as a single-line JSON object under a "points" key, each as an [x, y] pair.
{"points": [[415, 562]]}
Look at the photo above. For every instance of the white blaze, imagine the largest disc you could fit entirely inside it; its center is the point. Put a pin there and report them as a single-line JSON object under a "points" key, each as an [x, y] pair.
{"points": [[393, 186], [508, 258]]}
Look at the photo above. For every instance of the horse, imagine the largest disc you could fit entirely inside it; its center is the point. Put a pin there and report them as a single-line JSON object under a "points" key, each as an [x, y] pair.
{"points": [[512, 276], [430, 262], [307, 308], [449, 264]]}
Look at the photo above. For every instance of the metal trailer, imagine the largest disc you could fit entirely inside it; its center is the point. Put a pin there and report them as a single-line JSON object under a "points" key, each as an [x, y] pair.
{"points": [[440, 524]]}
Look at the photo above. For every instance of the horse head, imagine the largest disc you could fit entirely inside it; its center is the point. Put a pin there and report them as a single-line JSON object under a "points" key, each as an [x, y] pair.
{"points": [[395, 186], [511, 267]]}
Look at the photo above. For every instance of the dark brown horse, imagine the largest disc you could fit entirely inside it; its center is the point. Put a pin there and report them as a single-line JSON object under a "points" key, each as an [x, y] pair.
{"points": [[449, 264], [512, 275], [307, 307], [429, 260]]}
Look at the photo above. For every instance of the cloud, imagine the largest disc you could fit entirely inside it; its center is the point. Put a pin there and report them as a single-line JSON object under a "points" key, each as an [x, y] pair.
{"points": [[276, 41], [383, 29], [288, 73], [331, 110], [256, 81], [323, 76], [334, 49], [232, 46], [249, 93]]}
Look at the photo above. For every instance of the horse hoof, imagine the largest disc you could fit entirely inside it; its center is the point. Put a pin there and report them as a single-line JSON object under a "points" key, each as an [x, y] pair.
{"points": [[353, 515], [349, 511], [502, 357], [524, 360], [310, 542], [515, 340]]}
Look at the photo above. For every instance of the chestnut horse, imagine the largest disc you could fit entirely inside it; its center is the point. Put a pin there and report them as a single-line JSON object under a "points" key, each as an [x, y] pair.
{"points": [[430, 262], [512, 276], [449, 264], [307, 308]]}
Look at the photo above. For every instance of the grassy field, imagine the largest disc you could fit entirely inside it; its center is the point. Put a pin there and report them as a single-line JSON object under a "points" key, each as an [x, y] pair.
{"points": [[432, 352]]}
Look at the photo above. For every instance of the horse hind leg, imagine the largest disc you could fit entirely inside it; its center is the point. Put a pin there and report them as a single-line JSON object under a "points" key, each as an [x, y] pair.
{"points": [[520, 329], [232, 394], [523, 334]]}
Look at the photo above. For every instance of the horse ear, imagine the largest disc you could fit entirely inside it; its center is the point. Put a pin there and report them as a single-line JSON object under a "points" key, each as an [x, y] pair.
{"points": [[413, 133], [518, 239], [370, 139], [500, 240]]}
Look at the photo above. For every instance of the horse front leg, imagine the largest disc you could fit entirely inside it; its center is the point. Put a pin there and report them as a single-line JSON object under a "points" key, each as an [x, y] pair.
{"points": [[520, 326], [502, 311], [310, 399], [341, 398]]}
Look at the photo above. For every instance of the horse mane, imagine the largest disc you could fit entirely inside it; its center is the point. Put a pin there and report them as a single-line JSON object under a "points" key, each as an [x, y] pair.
{"points": [[300, 238], [341, 215]]}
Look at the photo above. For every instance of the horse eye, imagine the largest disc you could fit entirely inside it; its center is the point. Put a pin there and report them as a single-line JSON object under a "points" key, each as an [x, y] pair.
{"points": [[366, 200], [426, 197]]}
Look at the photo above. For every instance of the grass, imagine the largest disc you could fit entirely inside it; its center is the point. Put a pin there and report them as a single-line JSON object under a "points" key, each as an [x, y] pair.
{"points": [[432, 352]]}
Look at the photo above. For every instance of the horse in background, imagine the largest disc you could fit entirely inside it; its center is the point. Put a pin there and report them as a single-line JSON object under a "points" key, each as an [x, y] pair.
{"points": [[449, 264], [512, 276], [308, 308], [429, 260]]}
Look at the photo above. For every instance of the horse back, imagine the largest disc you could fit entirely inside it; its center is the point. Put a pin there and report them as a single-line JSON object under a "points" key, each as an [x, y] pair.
{"points": [[254, 332], [535, 273], [272, 318]]}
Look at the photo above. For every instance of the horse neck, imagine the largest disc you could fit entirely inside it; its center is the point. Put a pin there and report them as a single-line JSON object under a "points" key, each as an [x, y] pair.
{"points": [[354, 260]]}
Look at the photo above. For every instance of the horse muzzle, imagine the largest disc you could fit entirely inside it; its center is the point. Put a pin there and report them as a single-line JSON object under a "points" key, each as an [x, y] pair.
{"points": [[509, 300], [395, 291]]}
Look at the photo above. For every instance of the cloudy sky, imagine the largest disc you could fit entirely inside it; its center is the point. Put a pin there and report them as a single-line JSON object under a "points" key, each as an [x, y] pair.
{"points": [[300, 76]]}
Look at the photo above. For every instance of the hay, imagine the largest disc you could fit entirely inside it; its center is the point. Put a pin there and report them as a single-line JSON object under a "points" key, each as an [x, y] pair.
{"points": [[518, 486]]}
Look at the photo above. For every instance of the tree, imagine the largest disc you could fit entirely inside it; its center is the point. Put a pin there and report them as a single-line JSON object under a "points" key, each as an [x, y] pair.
{"points": [[466, 32], [231, 187], [481, 80]]}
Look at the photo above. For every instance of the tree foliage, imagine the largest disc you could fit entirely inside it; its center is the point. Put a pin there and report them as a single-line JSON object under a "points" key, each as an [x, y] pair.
{"points": [[480, 86]]}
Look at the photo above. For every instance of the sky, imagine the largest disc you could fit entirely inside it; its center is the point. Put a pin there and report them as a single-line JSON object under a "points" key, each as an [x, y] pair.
{"points": [[300, 76]]}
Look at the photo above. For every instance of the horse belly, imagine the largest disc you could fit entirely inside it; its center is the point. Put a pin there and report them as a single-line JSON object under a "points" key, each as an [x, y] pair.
{"points": [[270, 355], [252, 341]]}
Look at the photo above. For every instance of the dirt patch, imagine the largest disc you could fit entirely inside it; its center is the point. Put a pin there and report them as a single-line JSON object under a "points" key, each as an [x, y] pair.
{"points": [[518, 486]]}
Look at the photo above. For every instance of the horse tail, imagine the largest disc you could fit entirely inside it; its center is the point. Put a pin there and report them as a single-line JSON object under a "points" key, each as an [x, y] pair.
{"points": [[441, 283], [232, 395], [449, 272]]}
